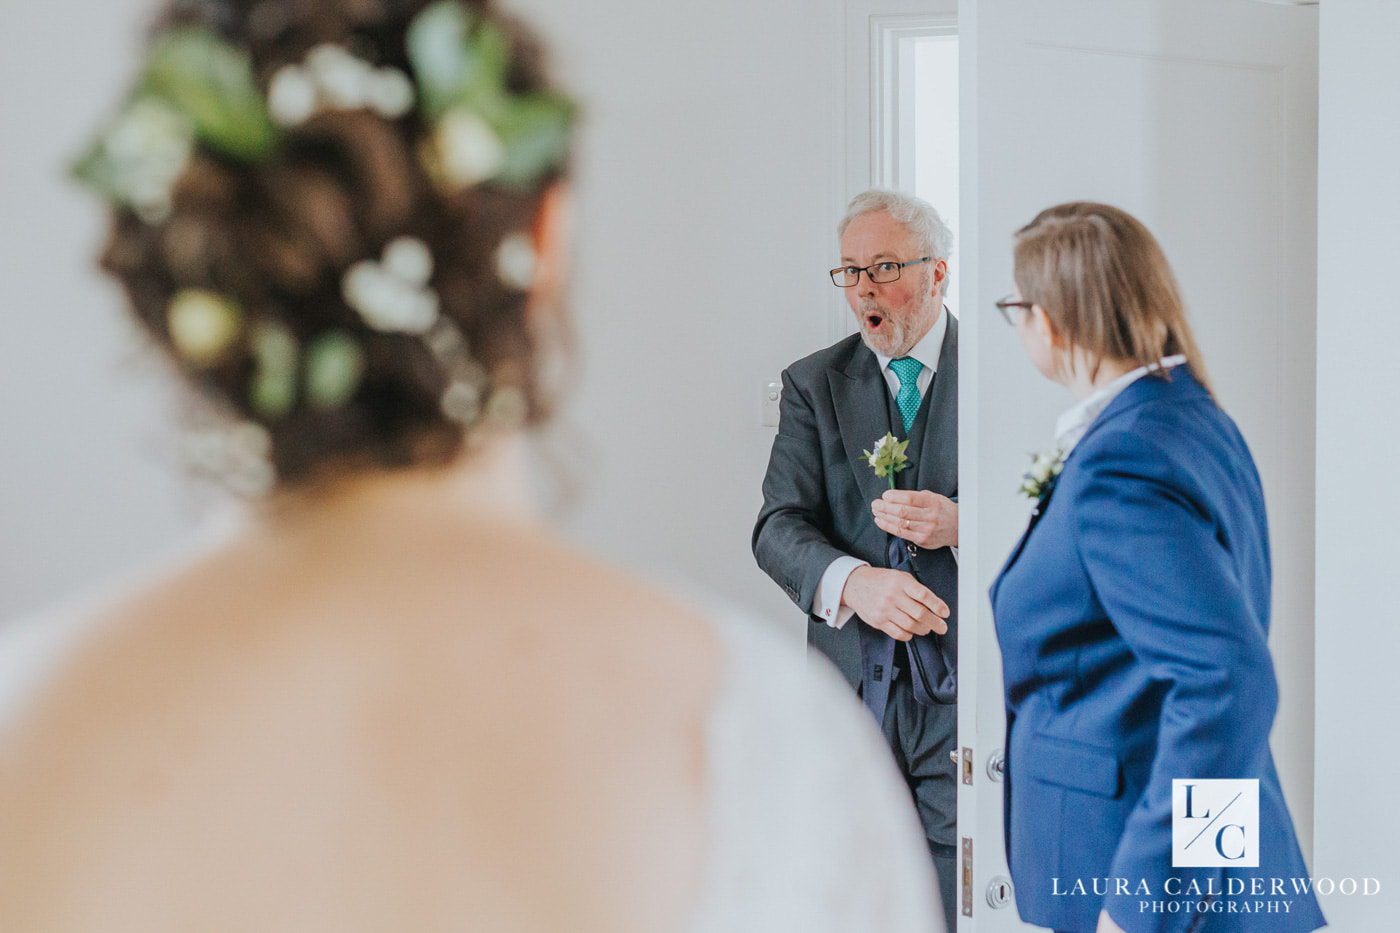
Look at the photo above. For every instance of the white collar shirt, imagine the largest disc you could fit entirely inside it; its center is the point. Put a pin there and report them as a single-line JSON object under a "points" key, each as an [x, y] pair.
{"points": [[1073, 424]]}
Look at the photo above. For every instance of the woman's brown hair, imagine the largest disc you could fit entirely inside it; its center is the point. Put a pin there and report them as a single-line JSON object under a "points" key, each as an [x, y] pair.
{"points": [[1106, 285], [278, 235]]}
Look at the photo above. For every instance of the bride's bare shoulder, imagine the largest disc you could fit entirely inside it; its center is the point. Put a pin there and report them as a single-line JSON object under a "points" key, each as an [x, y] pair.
{"points": [[331, 636], [295, 680], [290, 617]]}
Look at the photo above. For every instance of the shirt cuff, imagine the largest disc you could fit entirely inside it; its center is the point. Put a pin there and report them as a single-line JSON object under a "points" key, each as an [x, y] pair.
{"points": [[827, 605]]}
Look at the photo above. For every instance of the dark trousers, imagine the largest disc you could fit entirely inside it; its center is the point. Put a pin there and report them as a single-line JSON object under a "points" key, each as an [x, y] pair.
{"points": [[922, 738]]}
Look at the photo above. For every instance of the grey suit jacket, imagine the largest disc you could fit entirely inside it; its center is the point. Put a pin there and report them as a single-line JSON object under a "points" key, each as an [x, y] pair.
{"points": [[818, 488]]}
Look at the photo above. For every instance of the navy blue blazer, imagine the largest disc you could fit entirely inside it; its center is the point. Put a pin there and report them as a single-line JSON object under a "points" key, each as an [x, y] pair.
{"points": [[1133, 617]]}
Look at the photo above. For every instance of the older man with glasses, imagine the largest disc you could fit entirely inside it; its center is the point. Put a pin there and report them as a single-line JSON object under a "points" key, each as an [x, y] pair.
{"points": [[875, 568]]}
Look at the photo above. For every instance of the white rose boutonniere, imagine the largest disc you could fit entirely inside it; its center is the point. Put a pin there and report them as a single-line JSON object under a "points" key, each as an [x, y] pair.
{"points": [[888, 457], [1043, 469]]}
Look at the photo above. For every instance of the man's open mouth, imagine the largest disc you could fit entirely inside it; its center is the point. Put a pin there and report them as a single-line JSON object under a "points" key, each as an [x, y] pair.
{"points": [[873, 320]]}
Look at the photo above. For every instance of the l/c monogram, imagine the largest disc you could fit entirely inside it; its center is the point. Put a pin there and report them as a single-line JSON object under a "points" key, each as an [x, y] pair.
{"points": [[1220, 834], [1215, 823]]}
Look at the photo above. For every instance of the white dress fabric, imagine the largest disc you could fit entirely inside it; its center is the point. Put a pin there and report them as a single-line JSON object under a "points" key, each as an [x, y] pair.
{"points": [[811, 828]]}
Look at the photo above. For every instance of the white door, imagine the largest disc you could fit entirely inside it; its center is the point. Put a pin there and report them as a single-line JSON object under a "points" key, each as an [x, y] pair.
{"points": [[1198, 116]]}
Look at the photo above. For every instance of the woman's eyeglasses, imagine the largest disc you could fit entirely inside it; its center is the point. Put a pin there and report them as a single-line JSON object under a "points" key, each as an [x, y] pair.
{"points": [[1008, 303]]}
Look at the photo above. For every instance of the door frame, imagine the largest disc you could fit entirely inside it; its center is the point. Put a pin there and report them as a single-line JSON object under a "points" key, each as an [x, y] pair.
{"points": [[870, 75]]}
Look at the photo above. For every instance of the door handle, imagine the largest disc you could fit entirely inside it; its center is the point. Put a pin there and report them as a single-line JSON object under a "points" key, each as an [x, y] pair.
{"points": [[996, 765]]}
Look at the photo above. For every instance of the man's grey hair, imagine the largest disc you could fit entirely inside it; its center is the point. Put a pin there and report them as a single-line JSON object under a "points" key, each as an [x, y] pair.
{"points": [[934, 236]]}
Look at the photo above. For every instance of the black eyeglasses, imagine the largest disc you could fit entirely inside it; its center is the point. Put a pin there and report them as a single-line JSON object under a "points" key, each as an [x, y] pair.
{"points": [[881, 273], [1009, 302]]}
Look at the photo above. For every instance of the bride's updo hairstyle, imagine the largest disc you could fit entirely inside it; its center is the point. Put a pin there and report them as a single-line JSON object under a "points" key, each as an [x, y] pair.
{"points": [[325, 211], [1106, 285]]}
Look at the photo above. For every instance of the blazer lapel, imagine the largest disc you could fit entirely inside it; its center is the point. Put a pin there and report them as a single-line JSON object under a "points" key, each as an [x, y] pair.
{"points": [[937, 466], [858, 393], [1036, 515]]}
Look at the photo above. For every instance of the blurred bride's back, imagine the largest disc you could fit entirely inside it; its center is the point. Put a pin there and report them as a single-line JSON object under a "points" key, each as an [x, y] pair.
{"points": [[370, 714]]}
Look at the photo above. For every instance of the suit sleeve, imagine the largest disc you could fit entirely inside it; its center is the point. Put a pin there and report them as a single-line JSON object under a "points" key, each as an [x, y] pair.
{"points": [[1169, 586], [788, 541]]}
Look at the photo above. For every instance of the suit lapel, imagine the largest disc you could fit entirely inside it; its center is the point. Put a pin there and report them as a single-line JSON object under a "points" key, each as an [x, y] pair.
{"points": [[858, 392], [1037, 513], [937, 466]]}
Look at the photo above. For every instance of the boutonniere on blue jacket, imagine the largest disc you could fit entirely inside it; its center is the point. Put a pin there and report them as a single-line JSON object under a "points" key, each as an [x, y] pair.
{"points": [[1039, 480]]}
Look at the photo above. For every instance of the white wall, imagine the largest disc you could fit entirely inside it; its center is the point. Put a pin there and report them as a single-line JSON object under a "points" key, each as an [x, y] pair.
{"points": [[1358, 447], [708, 198], [708, 193], [86, 480]]}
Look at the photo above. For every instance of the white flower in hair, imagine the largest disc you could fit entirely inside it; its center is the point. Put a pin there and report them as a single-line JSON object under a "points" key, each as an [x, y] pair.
{"points": [[148, 149], [467, 378], [332, 78], [390, 93], [516, 261], [341, 77], [409, 259], [461, 402], [202, 325], [464, 151], [393, 295], [291, 97]]}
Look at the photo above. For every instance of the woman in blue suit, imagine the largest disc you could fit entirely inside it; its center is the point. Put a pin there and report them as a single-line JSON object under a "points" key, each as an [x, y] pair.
{"points": [[1133, 615]]}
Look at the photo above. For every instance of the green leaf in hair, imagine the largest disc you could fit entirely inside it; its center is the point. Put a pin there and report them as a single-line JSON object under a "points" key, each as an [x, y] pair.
{"points": [[461, 65], [535, 131], [137, 158], [437, 43], [335, 365], [210, 83]]}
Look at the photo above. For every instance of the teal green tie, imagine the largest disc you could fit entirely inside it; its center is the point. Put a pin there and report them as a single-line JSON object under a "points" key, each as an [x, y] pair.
{"points": [[907, 369]]}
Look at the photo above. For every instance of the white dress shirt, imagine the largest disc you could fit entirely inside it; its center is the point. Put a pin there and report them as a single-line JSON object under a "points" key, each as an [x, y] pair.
{"points": [[826, 604], [1072, 425]]}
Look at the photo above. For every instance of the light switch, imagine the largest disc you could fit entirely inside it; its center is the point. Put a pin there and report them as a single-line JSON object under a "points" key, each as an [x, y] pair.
{"points": [[772, 392]]}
